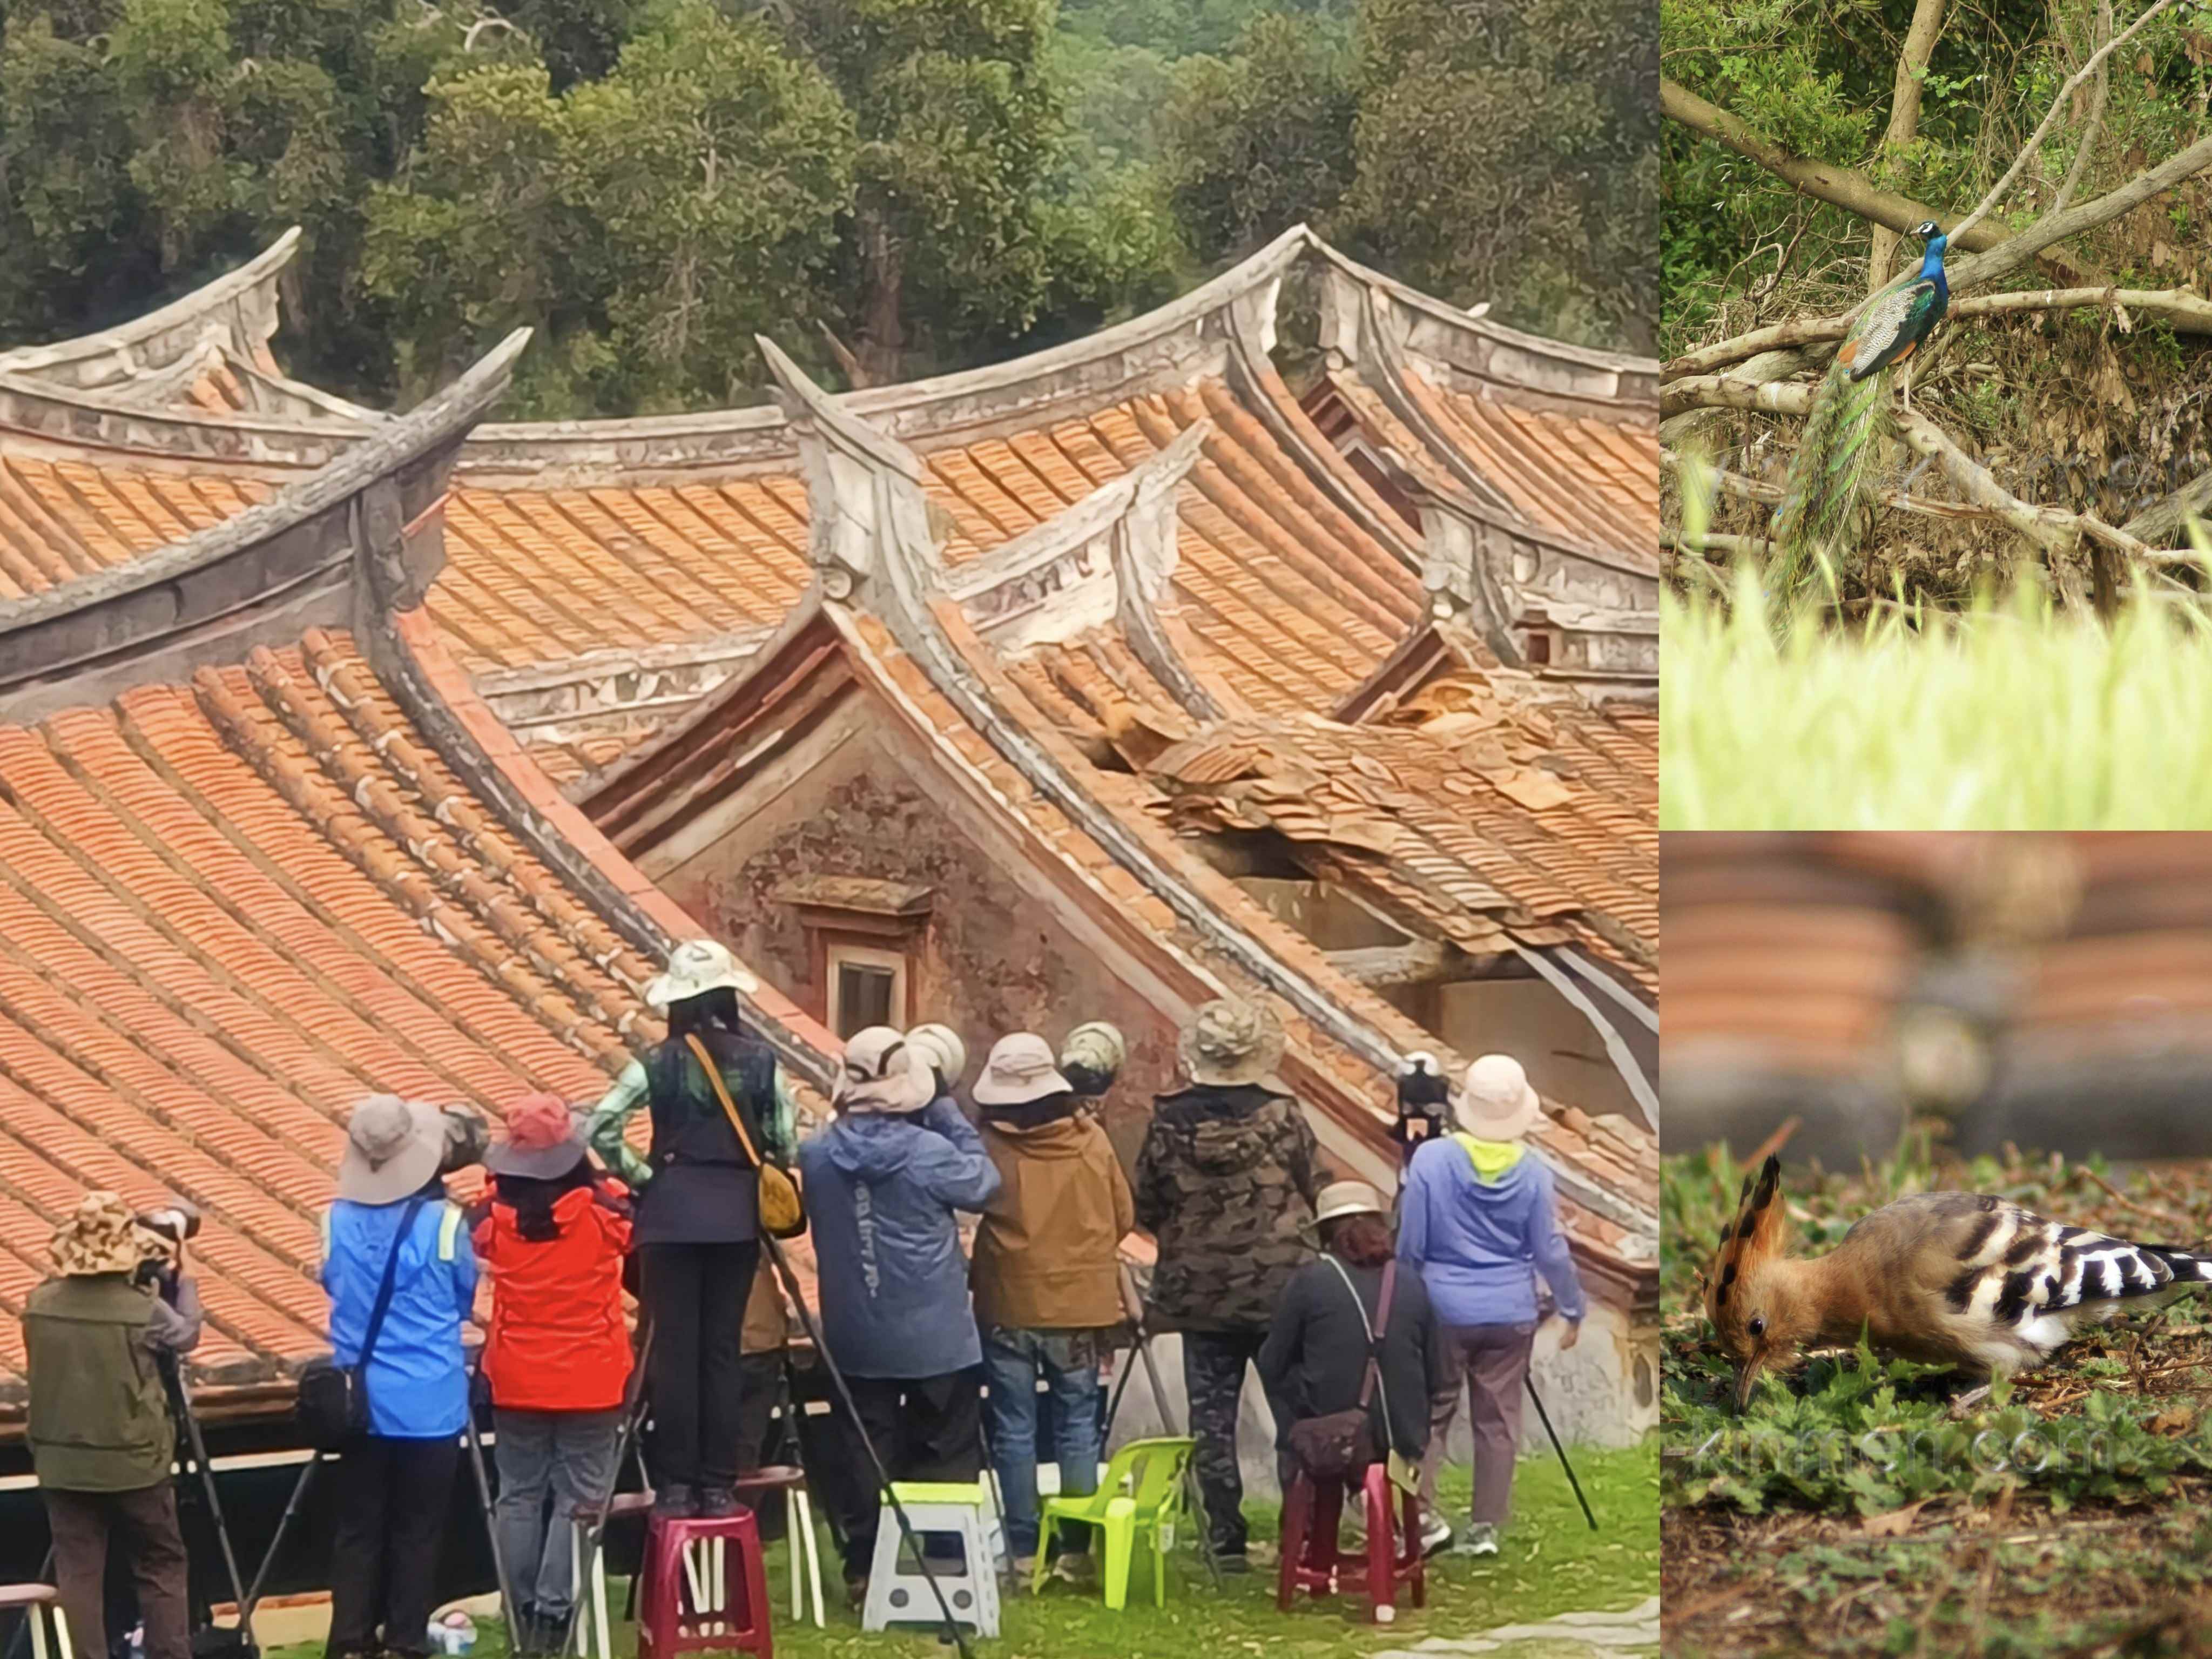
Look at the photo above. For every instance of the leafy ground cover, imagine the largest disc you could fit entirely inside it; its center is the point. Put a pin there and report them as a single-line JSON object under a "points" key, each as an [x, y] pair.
{"points": [[1851, 1510], [1551, 1564]]}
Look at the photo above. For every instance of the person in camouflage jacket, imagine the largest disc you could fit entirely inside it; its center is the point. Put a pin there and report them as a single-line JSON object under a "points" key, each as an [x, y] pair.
{"points": [[1226, 1183]]}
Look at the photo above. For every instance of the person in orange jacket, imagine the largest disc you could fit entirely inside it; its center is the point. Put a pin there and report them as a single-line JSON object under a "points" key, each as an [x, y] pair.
{"points": [[558, 1356]]}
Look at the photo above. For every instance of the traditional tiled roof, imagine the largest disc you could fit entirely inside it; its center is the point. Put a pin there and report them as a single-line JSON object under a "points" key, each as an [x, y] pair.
{"points": [[1015, 708], [243, 883]]}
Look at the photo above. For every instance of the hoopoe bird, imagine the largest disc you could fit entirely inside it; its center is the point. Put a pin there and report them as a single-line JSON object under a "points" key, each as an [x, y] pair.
{"points": [[1951, 1279]]}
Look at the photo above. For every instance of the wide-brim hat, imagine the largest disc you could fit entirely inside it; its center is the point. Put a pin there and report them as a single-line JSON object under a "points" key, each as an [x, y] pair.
{"points": [[1228, 1043], [1342, 1198], [696, 966], [1496, 1102], [393, 1147], [1020, 1069], [882, 1071], [101, 1236], [941, 1046], [544, 1140]]}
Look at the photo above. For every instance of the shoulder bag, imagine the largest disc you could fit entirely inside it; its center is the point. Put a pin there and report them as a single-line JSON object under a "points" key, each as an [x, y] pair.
{"points": [[333, 1406], [1332, 1446], [781, 1215]]}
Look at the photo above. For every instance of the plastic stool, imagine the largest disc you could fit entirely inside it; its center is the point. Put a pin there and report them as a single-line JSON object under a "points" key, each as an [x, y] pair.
{"points": [[1312, 1562], [897, 1594], [591, 1600], [799, 1527], [689, 1601], [39, 1603]]}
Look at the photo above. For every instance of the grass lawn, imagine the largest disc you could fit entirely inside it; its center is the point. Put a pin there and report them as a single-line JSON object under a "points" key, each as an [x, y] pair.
{"points": [[1552, 1563], [2007, 716], [1851, 1511]]}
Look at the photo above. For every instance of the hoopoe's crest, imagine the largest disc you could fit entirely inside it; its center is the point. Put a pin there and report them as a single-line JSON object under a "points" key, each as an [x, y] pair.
{"points": [[1952, 1278], [1749, 1296]]}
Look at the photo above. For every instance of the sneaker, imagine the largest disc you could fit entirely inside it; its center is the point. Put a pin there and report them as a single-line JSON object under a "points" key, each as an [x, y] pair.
{"points": [[1262, 1554], [1234, 1566], [1436, 1532], [1480, 1539], [1076, 1567], [677, 1501], [1018, 1568]]}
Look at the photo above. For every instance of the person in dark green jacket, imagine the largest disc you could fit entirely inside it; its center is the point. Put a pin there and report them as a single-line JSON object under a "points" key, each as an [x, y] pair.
{"points": [[100, 1434]]}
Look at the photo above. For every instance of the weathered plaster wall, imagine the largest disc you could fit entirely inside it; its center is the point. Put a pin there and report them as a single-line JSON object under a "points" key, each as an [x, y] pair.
{"points": [[994, 959]]}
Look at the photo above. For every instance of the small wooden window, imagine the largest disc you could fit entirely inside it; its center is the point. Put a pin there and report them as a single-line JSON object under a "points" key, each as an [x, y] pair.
{"points": [[866, 988]]}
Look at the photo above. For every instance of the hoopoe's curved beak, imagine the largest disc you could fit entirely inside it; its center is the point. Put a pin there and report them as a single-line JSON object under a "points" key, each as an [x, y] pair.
{"points": [[1746, 1383]]}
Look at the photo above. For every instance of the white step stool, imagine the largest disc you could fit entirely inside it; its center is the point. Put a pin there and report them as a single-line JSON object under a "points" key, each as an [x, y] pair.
{"points": [[39, 1603], [900, 1594]]}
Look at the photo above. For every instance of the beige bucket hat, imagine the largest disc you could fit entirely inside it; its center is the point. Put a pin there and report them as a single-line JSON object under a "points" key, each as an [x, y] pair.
{"points": [[941, 1046], [696, 966], [101, 1236], [1496, 1102], [1021, 1069], [1343, 1198], [882, 1072], [393, 1146], [1228, 1043]]}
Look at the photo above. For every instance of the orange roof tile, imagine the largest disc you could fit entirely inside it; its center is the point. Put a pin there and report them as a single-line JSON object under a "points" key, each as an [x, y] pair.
{"points": [[228, 911]]}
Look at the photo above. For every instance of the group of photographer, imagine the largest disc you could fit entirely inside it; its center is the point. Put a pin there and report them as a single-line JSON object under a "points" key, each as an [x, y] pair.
{"points": [[1230, 1182]]}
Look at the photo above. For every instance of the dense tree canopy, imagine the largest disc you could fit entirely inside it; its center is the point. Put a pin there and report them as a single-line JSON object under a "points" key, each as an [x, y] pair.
{"points": [[891, 187]]}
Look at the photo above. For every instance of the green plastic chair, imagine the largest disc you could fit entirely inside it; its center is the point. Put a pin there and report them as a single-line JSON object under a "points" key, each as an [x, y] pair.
{"points": [[1142, 1493]]}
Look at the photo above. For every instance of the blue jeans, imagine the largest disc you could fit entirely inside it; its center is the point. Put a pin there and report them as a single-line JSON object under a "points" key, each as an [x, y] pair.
{"points": [[1069, 1362]]}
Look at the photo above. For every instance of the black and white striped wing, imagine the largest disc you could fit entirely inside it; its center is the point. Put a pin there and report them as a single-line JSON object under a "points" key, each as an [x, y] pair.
{"points": [[2029, 1281], [1881, 328]]}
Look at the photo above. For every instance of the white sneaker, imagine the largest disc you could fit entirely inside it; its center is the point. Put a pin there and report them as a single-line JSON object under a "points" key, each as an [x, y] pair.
{"points": [[1436, 1532], [1481, 1538]]}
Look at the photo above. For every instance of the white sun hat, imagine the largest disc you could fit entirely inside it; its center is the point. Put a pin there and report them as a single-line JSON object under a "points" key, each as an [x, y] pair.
{"points": [[1496, 1102], [696, 966]]}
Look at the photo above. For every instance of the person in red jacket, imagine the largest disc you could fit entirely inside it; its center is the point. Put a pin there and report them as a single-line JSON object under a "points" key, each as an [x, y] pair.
{"points": [[558, 1357]]}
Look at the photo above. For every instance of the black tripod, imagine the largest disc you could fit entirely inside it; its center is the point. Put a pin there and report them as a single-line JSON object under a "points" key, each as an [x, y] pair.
{"points": [[209, 1638]]}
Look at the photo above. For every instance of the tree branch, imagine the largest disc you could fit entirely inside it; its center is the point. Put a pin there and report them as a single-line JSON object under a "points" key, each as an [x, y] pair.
{"points": [[2168, 519], [1824, 182], [1904, 118], [2187, 312], [2016, 251], [2095, 124], [2035, 140]]}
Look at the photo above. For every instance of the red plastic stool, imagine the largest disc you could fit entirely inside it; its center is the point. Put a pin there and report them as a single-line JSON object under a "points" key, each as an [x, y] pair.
{"points": [[1312, 1562], [689, 1598]]}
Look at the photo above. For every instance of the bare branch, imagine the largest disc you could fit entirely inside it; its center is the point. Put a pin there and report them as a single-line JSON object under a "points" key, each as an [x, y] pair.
{"points": [[1904, 118], [2095, 124], [2168, 519], [2009, 255], [2187, 312], [1825, 182], [2035, 140]]}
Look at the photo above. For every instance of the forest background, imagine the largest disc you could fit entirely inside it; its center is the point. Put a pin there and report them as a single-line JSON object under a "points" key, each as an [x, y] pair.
{"points": [[890, 187]]}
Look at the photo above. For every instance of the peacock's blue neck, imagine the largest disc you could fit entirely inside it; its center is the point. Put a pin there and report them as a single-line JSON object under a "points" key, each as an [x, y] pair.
{"points": [[1931, 264]]}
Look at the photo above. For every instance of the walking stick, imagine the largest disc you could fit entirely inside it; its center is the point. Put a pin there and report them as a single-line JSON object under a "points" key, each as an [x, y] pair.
{"points": [[1554, 1434], [952, 1630], [1192, 1489], [483, 1492]]}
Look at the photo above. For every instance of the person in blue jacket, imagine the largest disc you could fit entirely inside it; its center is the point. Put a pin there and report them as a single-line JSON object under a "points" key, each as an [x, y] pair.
{"points": [[394, 1482], [1477, 1217], [882, 1183]]}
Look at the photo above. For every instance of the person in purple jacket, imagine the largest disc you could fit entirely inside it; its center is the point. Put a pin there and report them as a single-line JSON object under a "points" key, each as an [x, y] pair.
{"points": [[1478, 1220]]}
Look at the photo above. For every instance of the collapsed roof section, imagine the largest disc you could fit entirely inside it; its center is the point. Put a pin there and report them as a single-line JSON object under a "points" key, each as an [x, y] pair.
{"points": [[603, 575], [1032, 677], [262, 852]]}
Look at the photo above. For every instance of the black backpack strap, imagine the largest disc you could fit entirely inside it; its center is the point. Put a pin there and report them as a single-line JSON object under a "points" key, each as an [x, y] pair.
{"points": [[391, 1278]]}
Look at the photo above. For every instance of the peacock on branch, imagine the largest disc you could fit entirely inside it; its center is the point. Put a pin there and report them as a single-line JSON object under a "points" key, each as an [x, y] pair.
{"points": [[1819, 517]]}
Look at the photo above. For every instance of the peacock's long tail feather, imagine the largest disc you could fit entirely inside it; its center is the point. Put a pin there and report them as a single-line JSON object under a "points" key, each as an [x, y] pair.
{"points": [[1818, 522]]}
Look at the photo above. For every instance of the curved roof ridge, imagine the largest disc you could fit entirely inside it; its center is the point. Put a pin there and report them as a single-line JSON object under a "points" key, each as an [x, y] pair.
{"points": [[169, 331]]}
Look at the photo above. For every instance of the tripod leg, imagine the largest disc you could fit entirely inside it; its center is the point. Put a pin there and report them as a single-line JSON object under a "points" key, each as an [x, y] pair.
{"points": [[491, 1523], [283, 1525], [198, 1442]]}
